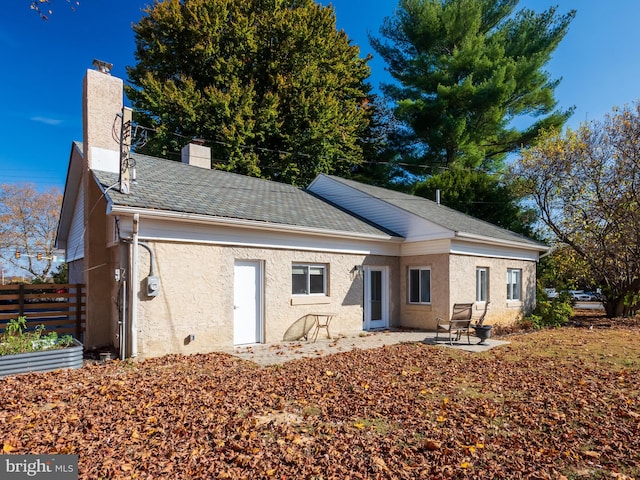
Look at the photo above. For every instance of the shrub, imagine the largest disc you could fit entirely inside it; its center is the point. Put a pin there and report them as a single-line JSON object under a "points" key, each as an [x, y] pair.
{"points": [[551, 312]]}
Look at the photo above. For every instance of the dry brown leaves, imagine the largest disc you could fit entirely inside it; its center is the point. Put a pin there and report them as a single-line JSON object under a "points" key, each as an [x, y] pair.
{"points": [[554, 404]]}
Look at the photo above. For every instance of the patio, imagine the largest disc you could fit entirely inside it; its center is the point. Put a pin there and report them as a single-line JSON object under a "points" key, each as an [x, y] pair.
{"points": [[277, 353]]}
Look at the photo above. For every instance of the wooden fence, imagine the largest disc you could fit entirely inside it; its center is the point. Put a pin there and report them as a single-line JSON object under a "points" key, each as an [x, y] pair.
{"points": [[59, 307]]}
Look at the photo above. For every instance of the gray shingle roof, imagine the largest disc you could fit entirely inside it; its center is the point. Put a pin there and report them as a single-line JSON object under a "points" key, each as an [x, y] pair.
{"points": [[439, 214], [176, 187]]}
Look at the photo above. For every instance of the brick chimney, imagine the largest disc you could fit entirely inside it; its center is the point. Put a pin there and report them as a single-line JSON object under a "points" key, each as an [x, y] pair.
{"points": [[197, 155], [102, 101]]}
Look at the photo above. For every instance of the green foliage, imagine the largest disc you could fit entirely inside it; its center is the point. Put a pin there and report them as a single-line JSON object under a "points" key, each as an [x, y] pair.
{"points": [[585, 186], [467, 69], [480, 195], [271, 85], [551, 312], [61, 275], [16, 339]]}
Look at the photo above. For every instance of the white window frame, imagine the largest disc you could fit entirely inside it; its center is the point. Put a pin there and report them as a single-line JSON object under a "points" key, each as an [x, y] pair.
{"points": [[482, 285], [514, 284], [309, 267], [421, 300]]}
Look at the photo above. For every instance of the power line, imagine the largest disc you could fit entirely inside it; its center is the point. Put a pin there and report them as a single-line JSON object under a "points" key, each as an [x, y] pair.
{"points": [[145, 129]]}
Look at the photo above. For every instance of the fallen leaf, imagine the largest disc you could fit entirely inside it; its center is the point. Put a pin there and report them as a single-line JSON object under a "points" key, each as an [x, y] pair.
{"points": [[431, 445]]}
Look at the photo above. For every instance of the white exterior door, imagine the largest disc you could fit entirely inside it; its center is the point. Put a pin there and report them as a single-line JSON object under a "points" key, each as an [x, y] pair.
{"points": [[247, 302], [376, 297]]}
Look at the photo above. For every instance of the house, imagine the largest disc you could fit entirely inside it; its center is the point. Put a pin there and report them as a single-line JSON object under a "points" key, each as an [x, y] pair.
{"points": [[188, 259]]}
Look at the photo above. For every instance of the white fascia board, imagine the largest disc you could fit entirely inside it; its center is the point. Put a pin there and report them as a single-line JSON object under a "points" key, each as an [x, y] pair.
{"points": [[470, 237], [168, 230], [241, 223], [477, 249], [272, 246]]}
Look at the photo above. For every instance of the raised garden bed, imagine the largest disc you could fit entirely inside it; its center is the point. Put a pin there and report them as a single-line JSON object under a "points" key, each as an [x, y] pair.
{"points": [[42, 361]]}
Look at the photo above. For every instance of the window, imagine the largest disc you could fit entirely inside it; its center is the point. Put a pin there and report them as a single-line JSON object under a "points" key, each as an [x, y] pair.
{"points": [[514, 284], [419, 285], [309, 279], [482, 284]]}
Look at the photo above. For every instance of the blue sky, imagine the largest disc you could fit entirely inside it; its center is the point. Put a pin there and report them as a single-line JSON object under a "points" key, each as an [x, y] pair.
{"points": [[43, 63]]}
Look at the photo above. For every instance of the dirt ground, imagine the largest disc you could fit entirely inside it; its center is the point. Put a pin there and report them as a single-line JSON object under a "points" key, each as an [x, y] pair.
{"points": [[597, 319]]}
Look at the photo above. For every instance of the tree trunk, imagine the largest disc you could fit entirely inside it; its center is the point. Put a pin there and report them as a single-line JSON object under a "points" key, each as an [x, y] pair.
{"points": [[614, 307]]}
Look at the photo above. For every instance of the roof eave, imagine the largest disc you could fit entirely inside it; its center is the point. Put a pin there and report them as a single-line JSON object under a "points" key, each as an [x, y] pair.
{"points": [[242, 223], [471, 237], [71, 187]]}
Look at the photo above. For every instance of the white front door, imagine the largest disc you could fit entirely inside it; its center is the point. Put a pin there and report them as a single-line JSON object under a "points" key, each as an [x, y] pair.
{"points": [[247, 302], [376, 297]]}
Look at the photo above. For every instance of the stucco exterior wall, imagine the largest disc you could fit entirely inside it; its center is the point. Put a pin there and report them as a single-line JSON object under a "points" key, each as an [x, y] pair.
{"points": [[197, 295], [501, 311], [423, 316]]}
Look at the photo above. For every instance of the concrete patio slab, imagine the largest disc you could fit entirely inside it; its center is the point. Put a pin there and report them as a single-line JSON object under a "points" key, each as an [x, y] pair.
{"points": [[277, 353]]}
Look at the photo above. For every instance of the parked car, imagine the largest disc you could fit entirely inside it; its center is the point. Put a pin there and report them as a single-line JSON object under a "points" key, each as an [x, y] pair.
{"points": [[551, 292], [582, 296]]}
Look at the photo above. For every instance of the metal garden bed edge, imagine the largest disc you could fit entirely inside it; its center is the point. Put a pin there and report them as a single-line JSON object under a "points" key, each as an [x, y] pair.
{"points": [[42, 361]]}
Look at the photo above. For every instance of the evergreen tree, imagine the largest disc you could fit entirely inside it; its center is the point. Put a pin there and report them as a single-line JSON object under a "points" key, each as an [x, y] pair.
{"points": [[273, 87], [466, 69], [489, 197]]}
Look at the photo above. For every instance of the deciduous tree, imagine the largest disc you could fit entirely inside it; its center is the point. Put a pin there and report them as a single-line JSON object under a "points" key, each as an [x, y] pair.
{"points": [[465, 71], [586, 186], [44, 7], [271, 85], [28, 223]]}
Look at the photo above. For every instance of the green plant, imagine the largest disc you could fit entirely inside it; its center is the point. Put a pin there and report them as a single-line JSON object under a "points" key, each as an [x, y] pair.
{"points": [[551, 312], [16, 339]]}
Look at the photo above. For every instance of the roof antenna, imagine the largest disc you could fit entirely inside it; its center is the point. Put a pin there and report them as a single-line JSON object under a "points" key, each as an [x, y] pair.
{"points": [[101, 66]]}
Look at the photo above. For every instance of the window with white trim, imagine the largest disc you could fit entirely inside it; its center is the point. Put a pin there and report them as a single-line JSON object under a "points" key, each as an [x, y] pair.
{"points": [[419, 285], [482, 284], [308, 279], [514, 284]]}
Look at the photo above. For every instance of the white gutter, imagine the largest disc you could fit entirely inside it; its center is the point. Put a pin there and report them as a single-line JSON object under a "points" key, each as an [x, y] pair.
{"points": [[512, 243], [134, 283], [549, 252], [235, 222]]}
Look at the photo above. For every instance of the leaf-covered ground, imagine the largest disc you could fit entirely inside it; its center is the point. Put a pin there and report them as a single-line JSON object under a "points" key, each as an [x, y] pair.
{"points": [[553, 404]]}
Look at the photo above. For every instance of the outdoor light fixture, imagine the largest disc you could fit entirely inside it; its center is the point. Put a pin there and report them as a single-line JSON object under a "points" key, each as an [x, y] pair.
{"points": [[357, 271]]}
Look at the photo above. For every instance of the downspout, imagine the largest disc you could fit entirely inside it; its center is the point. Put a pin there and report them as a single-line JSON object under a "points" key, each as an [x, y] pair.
{"points": [[134, 283], [123, 325]]}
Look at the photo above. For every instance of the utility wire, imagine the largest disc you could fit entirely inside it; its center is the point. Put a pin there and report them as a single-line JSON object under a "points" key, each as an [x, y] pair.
{"points": [[142, 128]]}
